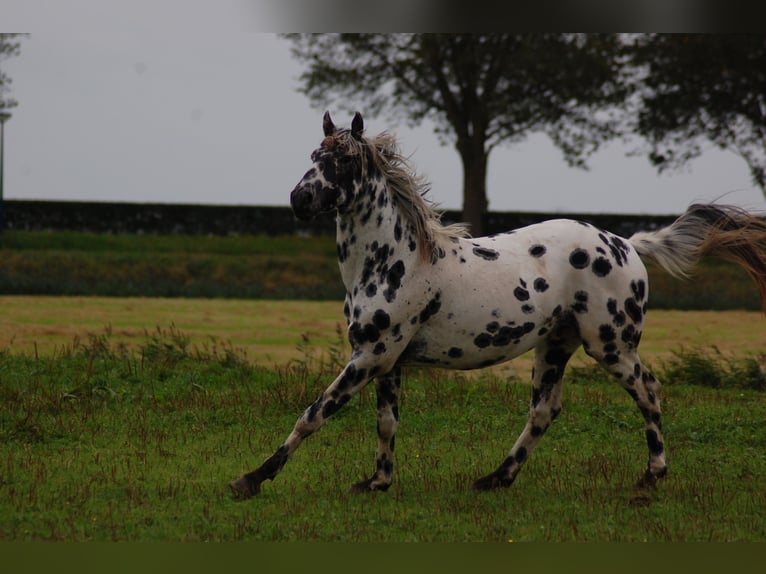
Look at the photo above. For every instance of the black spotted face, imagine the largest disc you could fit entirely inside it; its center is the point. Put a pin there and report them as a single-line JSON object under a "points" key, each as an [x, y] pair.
{"points": [[336, 173], [330, 182]]}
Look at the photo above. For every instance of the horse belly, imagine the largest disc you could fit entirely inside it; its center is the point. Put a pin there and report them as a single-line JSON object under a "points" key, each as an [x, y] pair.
{"points": [[470, 337]]}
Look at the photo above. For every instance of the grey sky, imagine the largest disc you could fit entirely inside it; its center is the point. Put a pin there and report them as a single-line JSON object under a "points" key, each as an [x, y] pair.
{"points": [[183, 102]]}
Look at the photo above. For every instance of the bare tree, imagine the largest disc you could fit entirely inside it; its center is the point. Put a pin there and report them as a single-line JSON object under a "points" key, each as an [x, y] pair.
{"points": [[478, 90]]}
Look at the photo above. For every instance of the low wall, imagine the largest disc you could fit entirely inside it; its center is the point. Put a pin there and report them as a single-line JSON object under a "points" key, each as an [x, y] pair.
{"points": [[162, 218]]}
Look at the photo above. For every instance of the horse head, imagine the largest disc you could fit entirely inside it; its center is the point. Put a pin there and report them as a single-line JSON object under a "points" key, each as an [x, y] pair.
{"points": [[336, 173]]}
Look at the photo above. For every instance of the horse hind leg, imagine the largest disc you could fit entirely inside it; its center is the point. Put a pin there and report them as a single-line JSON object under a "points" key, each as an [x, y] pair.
{"points": [[551, 358], [645, 389], [387, 390]]}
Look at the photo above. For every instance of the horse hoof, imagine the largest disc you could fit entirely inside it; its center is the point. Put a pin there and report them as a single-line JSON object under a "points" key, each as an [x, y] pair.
{"points": [[368, 486], [649, 480], [640, 501], [242, 488], [491, 482], [483, 483]]}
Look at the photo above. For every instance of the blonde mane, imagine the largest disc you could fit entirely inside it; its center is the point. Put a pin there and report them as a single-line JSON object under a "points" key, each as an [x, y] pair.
{"points": [[407, 189]]}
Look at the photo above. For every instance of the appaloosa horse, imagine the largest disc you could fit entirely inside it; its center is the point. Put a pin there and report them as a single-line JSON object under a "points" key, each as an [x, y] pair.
{"points": [[421, 293]]}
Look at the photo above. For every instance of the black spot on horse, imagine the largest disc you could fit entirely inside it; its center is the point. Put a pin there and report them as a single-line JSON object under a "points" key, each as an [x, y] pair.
{"points": [[381, 319], [581, 302], [342, 251], [516, 333], [359, 335], [394, 280], [601, 267], [366, 216], [540, 285], [619, 250], [455, 352], [628, 334], [504, 336], [484, 253], [537, 250], [330, 408], [371, 333], [639, 289], [557, 356], [521, 294], [647, 377], [371, 290], [655, 444], [633, 310], [579, 259], [381, 253], [606, 333], [431, 308], [550, 376], [314, 409], [483, 340], [367, 269]]}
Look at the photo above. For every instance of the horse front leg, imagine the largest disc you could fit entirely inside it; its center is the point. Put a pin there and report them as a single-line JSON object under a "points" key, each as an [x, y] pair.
{"points": [[387, 389], [350, 381]]}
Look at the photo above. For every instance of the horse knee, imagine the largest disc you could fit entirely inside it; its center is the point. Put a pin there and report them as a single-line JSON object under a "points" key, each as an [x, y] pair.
{"points": [[387, 425]]}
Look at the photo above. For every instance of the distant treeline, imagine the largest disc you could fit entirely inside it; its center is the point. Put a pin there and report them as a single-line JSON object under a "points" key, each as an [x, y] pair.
{"points": [[233, 220]]}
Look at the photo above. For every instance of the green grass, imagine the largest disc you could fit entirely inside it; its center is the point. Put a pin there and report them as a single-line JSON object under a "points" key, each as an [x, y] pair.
{"points": [[102, 442], [72, 263]]}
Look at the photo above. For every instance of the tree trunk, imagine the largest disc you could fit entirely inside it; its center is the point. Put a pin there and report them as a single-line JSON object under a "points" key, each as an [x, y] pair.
{"points": [[475, 191]]}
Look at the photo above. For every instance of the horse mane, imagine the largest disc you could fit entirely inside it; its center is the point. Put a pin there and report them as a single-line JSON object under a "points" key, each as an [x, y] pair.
{"points": [[405, 187]]}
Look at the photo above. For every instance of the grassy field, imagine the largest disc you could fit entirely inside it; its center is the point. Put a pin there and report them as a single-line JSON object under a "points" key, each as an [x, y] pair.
{"points": [[272, 332], [132, 432], [267, 331]]}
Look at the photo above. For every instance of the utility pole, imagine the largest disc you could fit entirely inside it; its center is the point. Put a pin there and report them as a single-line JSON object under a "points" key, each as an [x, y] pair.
{"points": [[4, 117]]}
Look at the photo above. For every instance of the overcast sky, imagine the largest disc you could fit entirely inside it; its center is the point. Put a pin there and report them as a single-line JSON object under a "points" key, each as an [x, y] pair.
{"points": [[186, 102]]}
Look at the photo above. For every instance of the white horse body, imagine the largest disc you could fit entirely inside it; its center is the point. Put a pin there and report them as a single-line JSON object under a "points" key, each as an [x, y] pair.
{"points": [[479, 296]]}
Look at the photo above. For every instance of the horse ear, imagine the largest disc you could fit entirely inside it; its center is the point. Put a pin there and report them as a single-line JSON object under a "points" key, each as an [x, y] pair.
{"points": [[327, 125], [357, 126]]}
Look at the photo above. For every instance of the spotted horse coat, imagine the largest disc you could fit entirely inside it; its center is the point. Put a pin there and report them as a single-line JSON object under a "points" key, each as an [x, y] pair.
{"points": [[421, 293]]}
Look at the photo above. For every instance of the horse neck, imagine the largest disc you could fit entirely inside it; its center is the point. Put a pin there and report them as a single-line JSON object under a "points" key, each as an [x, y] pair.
{"points": [[372, 231]]}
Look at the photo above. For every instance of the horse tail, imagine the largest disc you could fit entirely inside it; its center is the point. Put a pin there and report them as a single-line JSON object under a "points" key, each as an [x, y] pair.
{"points": [[718, 230]]}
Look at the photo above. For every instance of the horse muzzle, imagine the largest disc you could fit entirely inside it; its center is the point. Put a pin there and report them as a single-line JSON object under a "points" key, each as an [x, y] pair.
{"points": [[302, 202]]}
